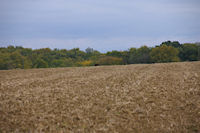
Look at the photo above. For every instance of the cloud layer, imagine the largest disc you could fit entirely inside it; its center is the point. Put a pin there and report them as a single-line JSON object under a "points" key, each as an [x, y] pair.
{"points": [[105, 24]]}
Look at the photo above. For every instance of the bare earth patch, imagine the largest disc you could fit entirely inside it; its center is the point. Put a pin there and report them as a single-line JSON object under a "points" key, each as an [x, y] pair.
{"points": [[133, 98]]}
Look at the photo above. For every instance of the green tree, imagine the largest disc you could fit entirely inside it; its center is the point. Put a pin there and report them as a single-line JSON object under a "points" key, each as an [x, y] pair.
{"points": [[11, 49], [198, 44], [175, 44], [65, 62], [4, 61], [164, 54], [26, 51], [94, 55], [114, 53], [12, 57], [125, 56], [76, 54], [40, 63], [27, 63], [89, 50], [16, 60], [109, 60], [140, 55], [132, 55], [143, 55], [189, 52]]}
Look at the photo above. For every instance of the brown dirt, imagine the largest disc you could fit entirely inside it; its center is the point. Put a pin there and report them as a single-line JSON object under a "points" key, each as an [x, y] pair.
{"points": [[124, 99]]}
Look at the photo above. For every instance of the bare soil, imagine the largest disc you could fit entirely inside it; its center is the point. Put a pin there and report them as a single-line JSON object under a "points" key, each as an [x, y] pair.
{"points": [[157, 98]]}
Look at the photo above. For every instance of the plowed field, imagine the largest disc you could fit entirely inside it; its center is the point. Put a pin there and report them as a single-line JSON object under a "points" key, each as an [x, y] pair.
{"points": [[161, 98]]}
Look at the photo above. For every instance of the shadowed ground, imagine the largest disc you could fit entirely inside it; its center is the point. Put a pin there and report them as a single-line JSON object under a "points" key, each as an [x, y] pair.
{"points": [[131, 98]]}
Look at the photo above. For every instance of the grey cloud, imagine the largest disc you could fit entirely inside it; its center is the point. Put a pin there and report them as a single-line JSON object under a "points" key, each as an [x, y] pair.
{"points": [[97, 20]]}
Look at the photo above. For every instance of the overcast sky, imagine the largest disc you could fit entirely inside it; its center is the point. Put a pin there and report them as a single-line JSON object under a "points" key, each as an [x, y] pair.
{"points": [[101, 24]]}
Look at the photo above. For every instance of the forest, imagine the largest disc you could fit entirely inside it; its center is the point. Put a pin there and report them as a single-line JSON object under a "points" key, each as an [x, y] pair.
{"points": [[17, 57]]}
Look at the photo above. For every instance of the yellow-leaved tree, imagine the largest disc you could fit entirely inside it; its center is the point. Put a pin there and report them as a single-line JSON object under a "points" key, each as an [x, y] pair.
{"points": [[164, 53]]}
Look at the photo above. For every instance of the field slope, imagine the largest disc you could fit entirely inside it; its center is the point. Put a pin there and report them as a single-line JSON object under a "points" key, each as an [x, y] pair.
{"points": [[125, 99]]}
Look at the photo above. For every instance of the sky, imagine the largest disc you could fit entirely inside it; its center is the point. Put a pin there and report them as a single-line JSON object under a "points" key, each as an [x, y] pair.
{"points": [[104, 25]]}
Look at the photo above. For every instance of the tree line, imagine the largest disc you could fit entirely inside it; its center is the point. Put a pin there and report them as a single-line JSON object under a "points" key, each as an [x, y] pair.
{"points": [[13, 57]]}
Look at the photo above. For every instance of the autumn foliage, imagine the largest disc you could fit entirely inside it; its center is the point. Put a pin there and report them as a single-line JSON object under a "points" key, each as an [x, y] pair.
{"points": [[12, 57]]}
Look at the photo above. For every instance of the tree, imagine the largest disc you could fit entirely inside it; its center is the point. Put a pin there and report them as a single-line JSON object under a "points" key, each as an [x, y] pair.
{"points": [[189, 52], [198, 51], [141, 55], [132, 55], [13, 57], [164, 53], [26, 51], [16, 60], [4, 61], [89, 50], [125, 57], [11, 48], [65, 62], [175, 44], [27, 63], [40, 63], [76, 53], [93, 56], [114, 53], [109, 60]]}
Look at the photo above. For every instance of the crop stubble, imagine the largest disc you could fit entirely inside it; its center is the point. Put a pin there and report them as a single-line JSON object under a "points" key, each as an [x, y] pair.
{"points": [[130, 98]]}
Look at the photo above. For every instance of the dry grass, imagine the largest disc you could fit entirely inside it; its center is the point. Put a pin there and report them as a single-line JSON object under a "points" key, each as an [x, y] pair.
{"points": [[133, 98]]}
